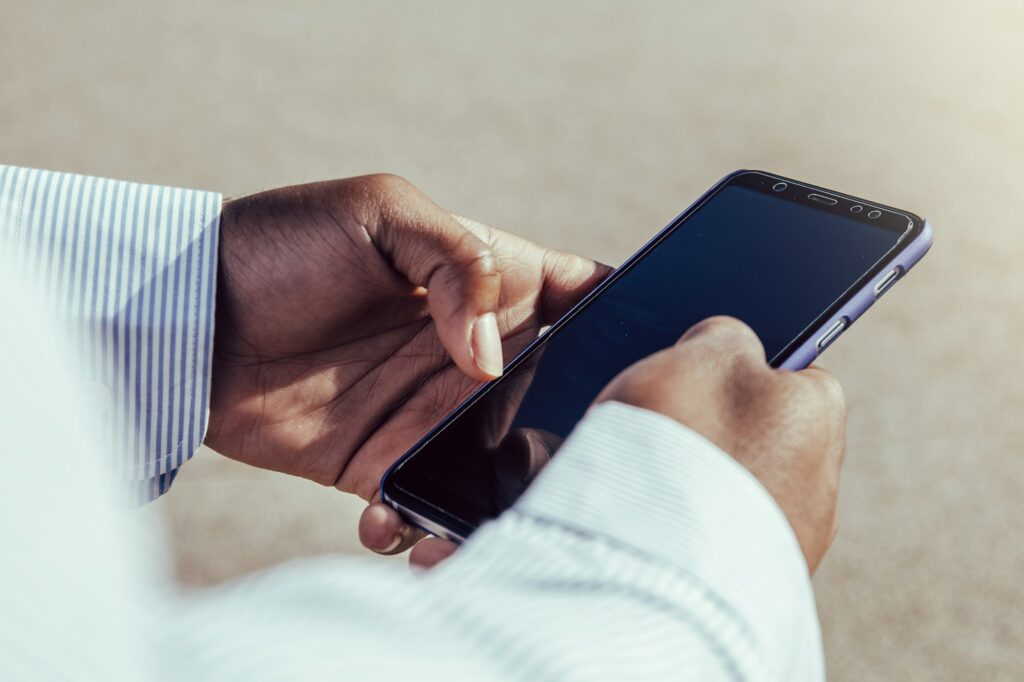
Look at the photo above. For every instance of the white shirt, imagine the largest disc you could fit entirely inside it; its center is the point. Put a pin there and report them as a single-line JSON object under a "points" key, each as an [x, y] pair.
{"points": [[641, 552]]}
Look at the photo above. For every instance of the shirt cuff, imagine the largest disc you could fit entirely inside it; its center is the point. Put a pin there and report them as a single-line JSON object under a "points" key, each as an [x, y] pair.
{"points": [[130, 270], [638, 478]]}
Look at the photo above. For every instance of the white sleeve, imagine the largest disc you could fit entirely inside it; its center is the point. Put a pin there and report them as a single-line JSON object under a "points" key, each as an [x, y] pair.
{"points": [[130, 271], [78, 595], [643, 551]]}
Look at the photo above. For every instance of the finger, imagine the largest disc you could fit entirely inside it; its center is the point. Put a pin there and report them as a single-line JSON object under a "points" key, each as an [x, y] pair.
{"points": [[726, 335], [432, 250], [431, 551], [814, 561], [828, 384], [834, 532], [382, 530], [565, 277], [832, 400]]}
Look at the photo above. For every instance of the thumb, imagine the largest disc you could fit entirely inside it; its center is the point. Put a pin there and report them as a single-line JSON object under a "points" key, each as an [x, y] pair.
{"points": [[431, 249], [565, 278]]}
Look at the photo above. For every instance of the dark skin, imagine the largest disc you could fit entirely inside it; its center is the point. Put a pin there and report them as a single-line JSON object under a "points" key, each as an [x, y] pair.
{"points": [[786, 428], [353, 315]]}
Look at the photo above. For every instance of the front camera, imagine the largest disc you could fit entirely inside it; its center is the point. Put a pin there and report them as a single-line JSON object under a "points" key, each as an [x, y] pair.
{"points": [[856, 209]]}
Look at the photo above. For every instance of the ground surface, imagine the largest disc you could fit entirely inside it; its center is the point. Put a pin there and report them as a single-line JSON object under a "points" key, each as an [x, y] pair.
{"points": [[588, 125]]}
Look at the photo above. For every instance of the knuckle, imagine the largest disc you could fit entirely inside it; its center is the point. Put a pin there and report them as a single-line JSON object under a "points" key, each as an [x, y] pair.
{"points": [[365, 488], [802, 388], [832, 390], [386, 185], [820, 393], [728, 331], [472, 264], [476, 257], [719, 324], [794, 399], [639, 385], [481, 263]]}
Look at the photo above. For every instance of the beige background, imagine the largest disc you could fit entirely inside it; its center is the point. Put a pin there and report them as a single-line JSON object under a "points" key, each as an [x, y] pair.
{"points": [[588, 125]]}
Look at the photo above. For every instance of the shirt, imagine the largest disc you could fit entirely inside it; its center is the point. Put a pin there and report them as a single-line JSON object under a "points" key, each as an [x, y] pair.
{"points": [[641, 552]]}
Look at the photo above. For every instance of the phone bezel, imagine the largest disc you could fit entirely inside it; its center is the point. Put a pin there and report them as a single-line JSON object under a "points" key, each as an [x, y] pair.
{"points": [[442, 522]]}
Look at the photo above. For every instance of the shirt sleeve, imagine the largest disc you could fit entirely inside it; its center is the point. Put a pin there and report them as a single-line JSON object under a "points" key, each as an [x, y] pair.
{"points": [[642, 552], [653, 551], [130, 269]]}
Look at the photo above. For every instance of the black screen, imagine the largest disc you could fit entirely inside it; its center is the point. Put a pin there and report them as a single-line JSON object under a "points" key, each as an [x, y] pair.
{"points": [[772, 260]]}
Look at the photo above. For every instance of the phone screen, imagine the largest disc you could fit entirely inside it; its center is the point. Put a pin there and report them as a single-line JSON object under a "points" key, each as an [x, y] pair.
{"points": [[766, 256]]}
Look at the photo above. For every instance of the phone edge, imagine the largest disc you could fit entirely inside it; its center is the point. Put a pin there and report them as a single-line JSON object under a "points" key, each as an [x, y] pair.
{"points": [[906, 258]]}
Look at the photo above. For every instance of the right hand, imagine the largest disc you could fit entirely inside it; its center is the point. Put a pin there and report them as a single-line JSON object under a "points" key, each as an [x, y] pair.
{"points": [[786, 428]]}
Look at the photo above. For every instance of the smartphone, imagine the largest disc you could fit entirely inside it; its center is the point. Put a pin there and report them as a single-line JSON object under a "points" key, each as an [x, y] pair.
{"points": [[797, 263]]}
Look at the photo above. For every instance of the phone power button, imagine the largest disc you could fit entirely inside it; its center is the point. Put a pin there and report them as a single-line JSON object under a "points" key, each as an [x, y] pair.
{"points": [[832, 333]]}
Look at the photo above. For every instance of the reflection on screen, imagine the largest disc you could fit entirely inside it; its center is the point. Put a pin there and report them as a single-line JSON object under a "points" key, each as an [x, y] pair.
{"points": [[773, 263]]}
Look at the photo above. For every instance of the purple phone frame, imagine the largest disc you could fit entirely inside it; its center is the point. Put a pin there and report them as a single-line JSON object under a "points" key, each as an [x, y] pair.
{"points": [[904, 257], [863, 299]]}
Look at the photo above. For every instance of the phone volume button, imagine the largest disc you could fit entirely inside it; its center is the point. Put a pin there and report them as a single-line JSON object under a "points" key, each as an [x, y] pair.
{"points": [[887, 281], [832, 333]]}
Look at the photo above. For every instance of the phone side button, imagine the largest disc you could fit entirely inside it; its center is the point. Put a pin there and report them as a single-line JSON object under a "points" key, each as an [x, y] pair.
{"points": [[832, 333], [887, 281]]}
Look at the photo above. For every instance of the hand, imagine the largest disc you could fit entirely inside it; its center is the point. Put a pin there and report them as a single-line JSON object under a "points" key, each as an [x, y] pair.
{"points": [[787, 428], [353, 315]]}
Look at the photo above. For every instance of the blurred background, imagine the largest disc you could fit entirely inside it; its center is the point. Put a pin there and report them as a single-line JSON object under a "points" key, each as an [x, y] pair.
{"points": [[588, 125]]}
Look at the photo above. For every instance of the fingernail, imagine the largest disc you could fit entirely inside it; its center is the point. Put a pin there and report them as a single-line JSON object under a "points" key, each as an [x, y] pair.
{"points": [[394, 543], [378, 515], [487, 345]]}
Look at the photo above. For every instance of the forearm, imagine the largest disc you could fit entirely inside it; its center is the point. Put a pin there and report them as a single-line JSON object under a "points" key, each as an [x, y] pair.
{"points": [[131, 270]]}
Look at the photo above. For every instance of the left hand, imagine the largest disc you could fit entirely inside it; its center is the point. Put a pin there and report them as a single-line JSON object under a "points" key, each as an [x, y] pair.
{"points": [[353, 315]]}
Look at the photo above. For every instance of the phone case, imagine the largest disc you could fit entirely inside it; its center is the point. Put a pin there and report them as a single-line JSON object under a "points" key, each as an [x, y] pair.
{"points": [[806, 353]]}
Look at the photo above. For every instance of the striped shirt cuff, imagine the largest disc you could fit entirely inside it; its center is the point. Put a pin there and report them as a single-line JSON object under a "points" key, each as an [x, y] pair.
{"points": [[639, 480], [130, 271]]}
